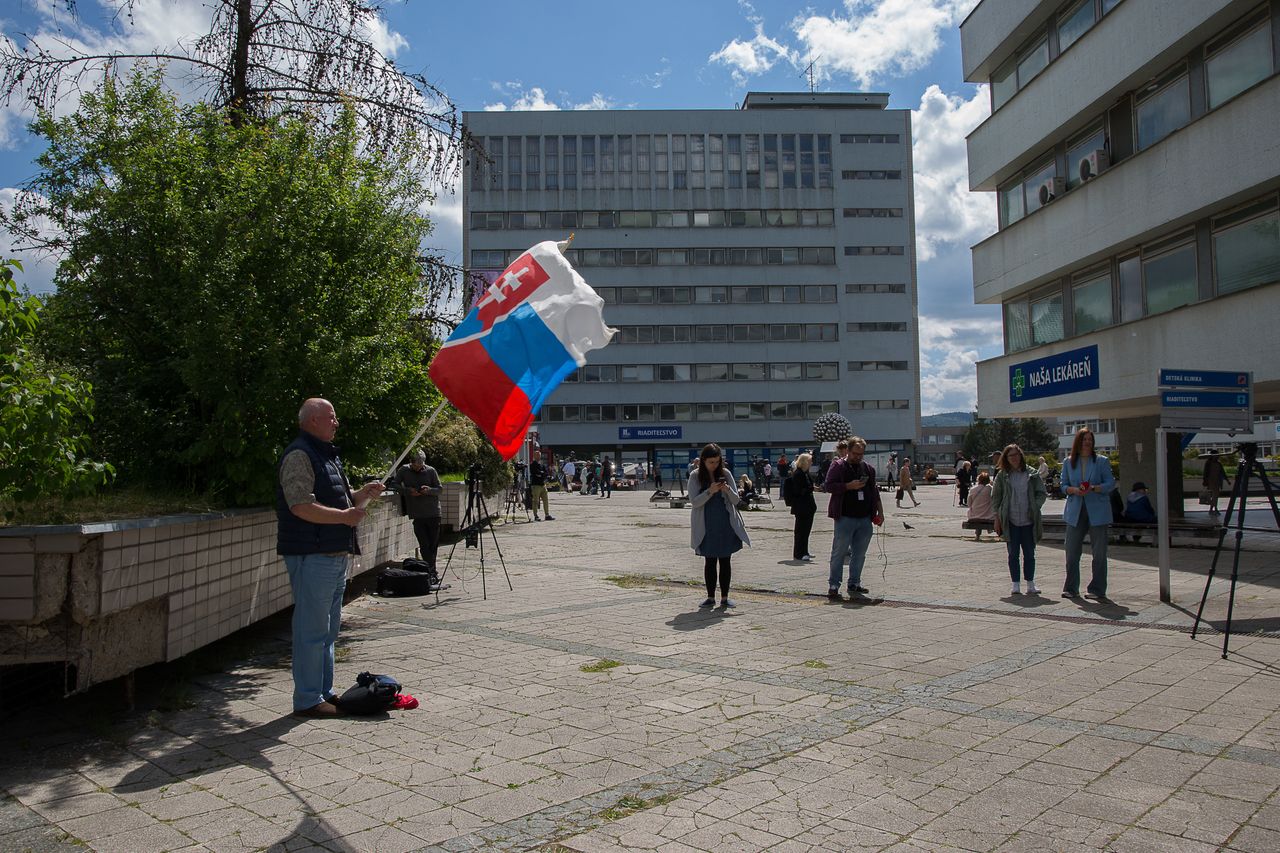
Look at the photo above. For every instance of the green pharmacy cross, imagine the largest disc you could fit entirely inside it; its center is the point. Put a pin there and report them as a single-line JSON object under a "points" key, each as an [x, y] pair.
{"points": [[1019, 382]]}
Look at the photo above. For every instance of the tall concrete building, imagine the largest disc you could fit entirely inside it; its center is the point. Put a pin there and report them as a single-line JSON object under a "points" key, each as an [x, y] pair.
{"points": [[759, 263], [1133, 154]]}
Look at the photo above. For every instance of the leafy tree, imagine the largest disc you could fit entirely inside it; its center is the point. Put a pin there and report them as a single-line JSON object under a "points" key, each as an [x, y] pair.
{"points": [[979, 439], [1034, 434], [44, 412], [216, 274]]}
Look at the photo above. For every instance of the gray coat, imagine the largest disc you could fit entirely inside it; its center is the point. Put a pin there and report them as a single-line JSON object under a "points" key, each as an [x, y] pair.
{"points": [[698, 498]]}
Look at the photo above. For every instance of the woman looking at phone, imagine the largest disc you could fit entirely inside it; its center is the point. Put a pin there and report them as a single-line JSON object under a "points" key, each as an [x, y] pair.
{"points": [[717, 532]]}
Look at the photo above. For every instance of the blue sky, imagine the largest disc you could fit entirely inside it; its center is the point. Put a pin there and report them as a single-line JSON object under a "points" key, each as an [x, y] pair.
{"points": [[655, 55]]}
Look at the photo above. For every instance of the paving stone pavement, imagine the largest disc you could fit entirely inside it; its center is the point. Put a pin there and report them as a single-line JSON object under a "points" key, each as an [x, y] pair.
{"points": [[595, 707]]}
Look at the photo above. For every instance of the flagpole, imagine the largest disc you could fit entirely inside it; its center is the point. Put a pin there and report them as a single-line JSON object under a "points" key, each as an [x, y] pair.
{"points": [[422, 429]]}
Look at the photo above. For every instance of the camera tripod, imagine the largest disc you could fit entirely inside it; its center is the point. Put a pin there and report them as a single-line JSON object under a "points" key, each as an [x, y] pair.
{"points": [[474, 521], [515, 495], [1249, 466]]}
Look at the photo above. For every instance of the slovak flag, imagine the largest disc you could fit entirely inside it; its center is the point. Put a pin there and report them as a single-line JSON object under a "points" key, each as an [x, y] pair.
{"points": [[531, 329]]}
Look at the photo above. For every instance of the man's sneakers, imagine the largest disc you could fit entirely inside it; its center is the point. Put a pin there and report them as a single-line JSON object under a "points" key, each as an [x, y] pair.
{"points": [[858, 589], [726, 603], [1032, 589], [536, 518], [323, 710], [834, 594], [551, 518], [807, 558], [1017, 588]]}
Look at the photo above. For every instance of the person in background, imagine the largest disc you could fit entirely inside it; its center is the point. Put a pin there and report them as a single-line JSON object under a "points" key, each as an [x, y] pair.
{"points": [[1088, 482], [855, 506], [784, 468], [963, 480], [568, 471], [606, 478], [906, 486], [1215, 477], [420, 485], [1018, 496], [981, 506], [768, 475], [538, 487], [316, 519], [716, 529], [1137, 506], [746, 489], [1043, 470], [803, 507]]}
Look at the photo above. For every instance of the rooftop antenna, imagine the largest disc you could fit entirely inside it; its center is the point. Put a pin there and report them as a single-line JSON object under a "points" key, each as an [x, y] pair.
{"points": [[810, 72]]}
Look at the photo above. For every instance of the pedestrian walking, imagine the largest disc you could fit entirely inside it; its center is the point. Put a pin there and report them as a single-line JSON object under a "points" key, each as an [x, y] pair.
{"points": [[799, 491], [606, 478], [1088, 483], [855, 506], [906, 486], [1018, 495], [1215, 477], [568, 470], [716, 528], [768, 476]]}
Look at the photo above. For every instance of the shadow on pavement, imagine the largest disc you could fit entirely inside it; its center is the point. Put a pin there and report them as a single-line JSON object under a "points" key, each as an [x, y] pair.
{"points": [[696, 620], [1104, 609], [1028, 600]]}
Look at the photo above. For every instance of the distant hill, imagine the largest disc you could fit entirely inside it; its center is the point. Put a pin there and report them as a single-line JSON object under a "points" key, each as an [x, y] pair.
{"points": [[963, 419]]}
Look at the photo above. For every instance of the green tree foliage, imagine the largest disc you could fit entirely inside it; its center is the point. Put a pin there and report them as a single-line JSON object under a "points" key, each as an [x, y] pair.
{"points": [[44, 412], [984, 437], [453, 444], [214, 275]]}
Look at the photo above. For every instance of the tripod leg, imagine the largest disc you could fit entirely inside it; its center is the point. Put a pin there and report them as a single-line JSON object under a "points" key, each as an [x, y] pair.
{"points": [[502, 562], [1217, 552], [1242, 490]]}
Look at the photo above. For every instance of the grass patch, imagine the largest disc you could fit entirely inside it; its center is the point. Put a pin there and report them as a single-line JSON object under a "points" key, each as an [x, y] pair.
{"points": [[628, 581], [816, 664], [630, 804], [600, 665], [342, 654]]}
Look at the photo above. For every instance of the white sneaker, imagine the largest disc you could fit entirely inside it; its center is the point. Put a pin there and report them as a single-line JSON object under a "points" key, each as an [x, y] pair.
{"points": [[1032, 589], [1017, 589]]}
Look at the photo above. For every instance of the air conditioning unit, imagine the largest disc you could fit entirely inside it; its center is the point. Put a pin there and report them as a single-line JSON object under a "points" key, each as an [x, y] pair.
{"points": [[1051, 189], [1094, 164]]}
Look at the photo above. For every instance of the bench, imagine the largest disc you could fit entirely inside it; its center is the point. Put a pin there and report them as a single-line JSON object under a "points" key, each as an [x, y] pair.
{"points": [[980, 525], [1057, 529]]}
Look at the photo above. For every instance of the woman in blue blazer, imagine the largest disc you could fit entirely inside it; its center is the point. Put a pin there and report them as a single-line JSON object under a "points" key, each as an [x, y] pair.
{"points": [[1088, 483]]}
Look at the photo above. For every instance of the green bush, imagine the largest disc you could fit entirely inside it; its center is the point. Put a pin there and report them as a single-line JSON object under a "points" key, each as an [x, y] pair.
{"points": [[214, 276], [44, 412]]}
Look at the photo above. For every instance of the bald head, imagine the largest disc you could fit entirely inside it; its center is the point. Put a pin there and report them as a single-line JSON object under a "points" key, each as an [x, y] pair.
{"points": [[318, 418]]}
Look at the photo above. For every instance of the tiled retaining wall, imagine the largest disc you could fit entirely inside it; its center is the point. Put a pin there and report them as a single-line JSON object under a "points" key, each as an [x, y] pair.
{"points": [[112, 597]]}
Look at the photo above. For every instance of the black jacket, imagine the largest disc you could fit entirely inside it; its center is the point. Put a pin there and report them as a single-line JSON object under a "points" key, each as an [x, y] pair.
{"points": [[800, 490]]}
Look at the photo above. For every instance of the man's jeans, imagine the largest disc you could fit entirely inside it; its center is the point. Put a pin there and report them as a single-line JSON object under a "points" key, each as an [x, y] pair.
{"points": [[318, 582], [427, 531], [852, 537]]}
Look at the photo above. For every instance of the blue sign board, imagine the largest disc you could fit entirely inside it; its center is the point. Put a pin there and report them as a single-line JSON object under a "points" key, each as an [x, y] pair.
{"points": [[1065, 373], [650, 433], [1205, 399], [1203, 379]]}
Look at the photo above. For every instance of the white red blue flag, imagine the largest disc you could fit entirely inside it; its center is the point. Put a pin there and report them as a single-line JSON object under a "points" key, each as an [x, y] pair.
{"points": [[531, 329]]}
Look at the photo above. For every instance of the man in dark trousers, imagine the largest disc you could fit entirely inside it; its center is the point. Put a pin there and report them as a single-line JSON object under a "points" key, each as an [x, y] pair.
{"points": [[420, 485], [855, 506], [538, 489], [316, 518]]}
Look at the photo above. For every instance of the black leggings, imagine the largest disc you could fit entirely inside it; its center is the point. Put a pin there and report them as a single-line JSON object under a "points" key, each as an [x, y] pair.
{"points": [[709, 572]]}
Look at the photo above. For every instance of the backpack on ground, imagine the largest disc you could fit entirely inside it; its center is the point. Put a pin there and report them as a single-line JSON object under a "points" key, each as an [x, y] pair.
{"points": [[372, 694], [787, 489], [405, 582]]}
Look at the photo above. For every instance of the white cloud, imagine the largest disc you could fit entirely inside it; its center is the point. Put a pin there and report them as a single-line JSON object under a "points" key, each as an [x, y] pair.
{"points": [[946, 212], [878, 37], [535, 98], [387, 41], [950, 349], [657, 78], [753, 57]]}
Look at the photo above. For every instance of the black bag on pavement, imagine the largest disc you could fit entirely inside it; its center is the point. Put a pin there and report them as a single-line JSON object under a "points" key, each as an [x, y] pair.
{"points": [[404, 582], [372, 694]]}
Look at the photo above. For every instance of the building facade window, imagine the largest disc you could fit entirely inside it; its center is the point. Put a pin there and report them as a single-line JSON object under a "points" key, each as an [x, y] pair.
{"points": [[1163, 106], [1091, 304], [875, 288], [1046, 319], [1246, 248], [1237, 61], [1169, 274]]}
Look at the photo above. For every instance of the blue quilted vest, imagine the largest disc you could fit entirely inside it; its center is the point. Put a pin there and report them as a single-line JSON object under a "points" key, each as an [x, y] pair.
{"points": [[295, 536]]}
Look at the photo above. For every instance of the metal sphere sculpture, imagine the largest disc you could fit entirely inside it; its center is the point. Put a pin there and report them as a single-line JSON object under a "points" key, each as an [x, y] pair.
{"points": [[832, 426]]}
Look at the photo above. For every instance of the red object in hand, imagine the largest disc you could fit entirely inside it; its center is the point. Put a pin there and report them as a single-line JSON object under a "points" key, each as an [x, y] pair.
{"points": [[1084, 487], [877, 520]]}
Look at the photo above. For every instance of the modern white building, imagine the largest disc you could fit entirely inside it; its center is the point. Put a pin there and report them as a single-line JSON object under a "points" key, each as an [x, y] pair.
{"points": [[759, 263], [1134, 156]]}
